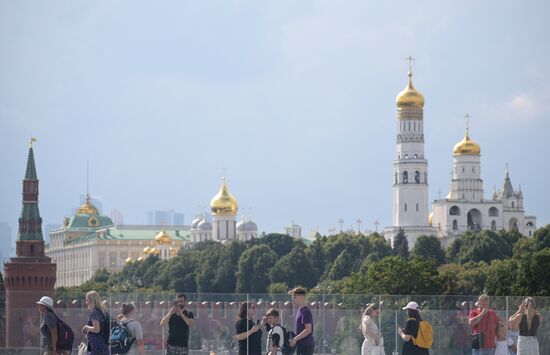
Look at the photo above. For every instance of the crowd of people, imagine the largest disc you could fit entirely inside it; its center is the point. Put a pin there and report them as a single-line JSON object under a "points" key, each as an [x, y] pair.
{"points": [[490, 335]]}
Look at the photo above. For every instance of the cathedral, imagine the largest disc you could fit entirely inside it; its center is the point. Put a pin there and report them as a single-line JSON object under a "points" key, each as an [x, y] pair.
{"points": [[465, 207]]}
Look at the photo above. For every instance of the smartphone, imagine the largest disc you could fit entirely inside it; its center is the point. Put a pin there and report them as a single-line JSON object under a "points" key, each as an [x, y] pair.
{"points": [[258, 322]]}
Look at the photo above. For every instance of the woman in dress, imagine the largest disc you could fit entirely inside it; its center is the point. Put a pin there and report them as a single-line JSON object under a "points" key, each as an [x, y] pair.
{"points": [[374, 341], [93, 329], [249, 334], [529, 321]]}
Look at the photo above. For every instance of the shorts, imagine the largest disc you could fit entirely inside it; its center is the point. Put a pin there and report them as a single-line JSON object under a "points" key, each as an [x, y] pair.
{"points": [[176, 350]]}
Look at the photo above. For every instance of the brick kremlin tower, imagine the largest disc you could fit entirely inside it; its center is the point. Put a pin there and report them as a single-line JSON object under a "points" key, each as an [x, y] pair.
{"points": [[31, 274]]}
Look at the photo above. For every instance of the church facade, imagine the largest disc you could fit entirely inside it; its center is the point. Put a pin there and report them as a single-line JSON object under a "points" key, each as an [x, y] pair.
{"points": [[465, 207]]}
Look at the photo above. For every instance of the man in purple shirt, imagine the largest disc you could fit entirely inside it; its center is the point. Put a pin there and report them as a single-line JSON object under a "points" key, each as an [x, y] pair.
{"points": [[303, 341]]}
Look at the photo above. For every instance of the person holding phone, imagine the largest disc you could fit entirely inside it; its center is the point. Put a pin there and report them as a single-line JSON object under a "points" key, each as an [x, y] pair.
{"points": [[483, 321], [248, 333], [178, 320]]}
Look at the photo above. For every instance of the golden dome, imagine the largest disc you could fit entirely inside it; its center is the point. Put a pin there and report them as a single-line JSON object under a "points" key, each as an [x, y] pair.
{"points": [[430, 218], [467, 146], [146, 250], [87, 208], [140, 258], [155, 251], [410, 98], [163, 238], [129, 260], [224, 204]]}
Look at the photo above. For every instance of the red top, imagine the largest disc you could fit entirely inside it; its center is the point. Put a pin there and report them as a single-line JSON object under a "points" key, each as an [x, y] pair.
{"points": [[487, 326]]}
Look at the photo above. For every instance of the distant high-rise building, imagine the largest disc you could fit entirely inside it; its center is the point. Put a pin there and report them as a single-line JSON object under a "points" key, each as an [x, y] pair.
{"points": [[117, 217], [294, 230], [165, 218]]}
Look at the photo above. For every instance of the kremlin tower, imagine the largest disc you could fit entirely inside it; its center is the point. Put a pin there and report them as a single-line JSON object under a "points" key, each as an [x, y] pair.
{"points": [[30, 274]]}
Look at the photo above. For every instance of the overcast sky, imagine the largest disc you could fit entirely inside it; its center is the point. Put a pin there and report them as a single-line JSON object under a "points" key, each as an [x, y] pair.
{"points": [[295, 99]]}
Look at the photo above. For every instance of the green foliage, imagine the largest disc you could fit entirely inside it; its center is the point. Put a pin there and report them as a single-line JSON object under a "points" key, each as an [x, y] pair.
{"points": [[342, 266], [278, 288], [253, 268], [400, 245], [290, 270], [281, 244], [429, 247], [483, 246]]}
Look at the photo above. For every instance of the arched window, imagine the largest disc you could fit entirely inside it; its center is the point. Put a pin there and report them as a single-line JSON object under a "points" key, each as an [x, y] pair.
{"points": [[529, 224], [416, 156], [406, 156], [455, 224], [405, 177], [417, 177], [493, 225], [493, 212], [513, 224], [454, 211], [512, 204], [417, 207], [405, 207]]}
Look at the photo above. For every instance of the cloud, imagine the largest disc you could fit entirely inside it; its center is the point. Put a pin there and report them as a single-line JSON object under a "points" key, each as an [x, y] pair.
{"points": [[521, 108]]}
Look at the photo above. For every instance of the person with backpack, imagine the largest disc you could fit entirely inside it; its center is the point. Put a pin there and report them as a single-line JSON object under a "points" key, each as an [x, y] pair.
{"points": [[97, 329], [276, 334], [127, 335], [303, 341], [418, 334], [49, 329], [179, 320]]}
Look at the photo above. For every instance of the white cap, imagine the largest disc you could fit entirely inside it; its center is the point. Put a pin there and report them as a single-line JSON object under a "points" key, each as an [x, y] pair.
{"points": [[412, 305], [46, 301]]}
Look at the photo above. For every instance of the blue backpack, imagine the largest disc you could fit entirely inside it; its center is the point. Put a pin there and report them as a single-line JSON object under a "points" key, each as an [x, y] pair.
{"points": [[120, 340]]}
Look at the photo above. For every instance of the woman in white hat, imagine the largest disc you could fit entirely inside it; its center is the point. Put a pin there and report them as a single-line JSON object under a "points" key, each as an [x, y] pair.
{"points": [[374, 341], [48, 328], [411, 331]]}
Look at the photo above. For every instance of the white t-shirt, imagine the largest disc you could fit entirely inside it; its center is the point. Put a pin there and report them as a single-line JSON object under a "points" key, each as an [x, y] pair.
{"points": [[501, 346], [279, 331]]}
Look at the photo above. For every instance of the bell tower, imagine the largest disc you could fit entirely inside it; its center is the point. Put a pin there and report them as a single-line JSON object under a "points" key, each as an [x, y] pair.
{"points": [[30, 274]]}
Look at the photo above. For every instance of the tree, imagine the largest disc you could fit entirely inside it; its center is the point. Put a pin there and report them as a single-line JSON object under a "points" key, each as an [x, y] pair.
{"points": [[502, 277], [429, 247], [483, 246], [401, 245], [182, 273], [253, 268], [281, 244], [292, 268], [342, 266], [278, 288], [542, 237], [379, 247]]}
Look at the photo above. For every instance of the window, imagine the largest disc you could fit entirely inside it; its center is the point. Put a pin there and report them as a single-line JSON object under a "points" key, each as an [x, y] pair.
{"points": [[396, 178], [455, 224], [493, 212], [416, 156], [512, 204], [406, 156], [473, 169], [405, 207], [454, 211], [463, 169], [405, 177], [417, 207], [493, 225], [425, 177], [417, 177]]}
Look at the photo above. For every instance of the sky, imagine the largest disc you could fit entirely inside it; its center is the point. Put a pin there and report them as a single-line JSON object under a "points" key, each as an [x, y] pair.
{"points": [[294, 101]]}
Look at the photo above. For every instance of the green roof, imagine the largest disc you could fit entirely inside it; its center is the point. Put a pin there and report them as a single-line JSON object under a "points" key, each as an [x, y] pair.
{"points": [[30, 174], [134, 233], [81, 221]]}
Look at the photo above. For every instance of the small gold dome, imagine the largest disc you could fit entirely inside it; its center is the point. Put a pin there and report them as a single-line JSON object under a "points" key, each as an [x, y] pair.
{"points": [[87, 208], [430, 218], [140, 258], [224, 204], [155, 251], [146, 250], [467, 146], [129, 260], [163, 238], [410, 98]]}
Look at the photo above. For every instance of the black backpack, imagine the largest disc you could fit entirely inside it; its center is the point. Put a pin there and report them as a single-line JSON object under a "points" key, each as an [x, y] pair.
{"points": [[107, 323], [286, 349], [65, 335]]}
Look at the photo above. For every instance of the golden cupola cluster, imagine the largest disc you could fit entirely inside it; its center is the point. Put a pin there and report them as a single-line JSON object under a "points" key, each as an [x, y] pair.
{"points": [[410, 98], [87, 208], [163, 238], [224, 204], [466, 146]]}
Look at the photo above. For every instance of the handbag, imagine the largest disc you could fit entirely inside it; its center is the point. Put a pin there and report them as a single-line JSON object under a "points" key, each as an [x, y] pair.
{"points": [[83, 347], [477, 340]]}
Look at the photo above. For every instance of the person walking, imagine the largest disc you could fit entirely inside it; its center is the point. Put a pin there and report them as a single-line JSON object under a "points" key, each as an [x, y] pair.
{"points": [[134, 327], [374, 341], [49, 327], [178, 320], [94, 329], [483, 322], [529, 321], [411, 331], [248, 333], [303, 341]]}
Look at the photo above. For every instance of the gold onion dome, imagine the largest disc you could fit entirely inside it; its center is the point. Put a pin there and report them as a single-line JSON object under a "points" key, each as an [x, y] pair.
{"points": [[430, 218], [129, 260], [224, 204], [163, 238], [147, 250], [410, 98], [467, 146], [154, 251], [87, 208]]}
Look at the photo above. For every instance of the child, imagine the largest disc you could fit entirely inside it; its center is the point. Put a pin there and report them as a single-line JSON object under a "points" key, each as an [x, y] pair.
{"points": [[502, 342]]}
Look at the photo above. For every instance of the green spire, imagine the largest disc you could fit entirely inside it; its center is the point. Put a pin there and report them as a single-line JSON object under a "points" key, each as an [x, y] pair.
{"points": [[30, 223], [30, 174]]}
